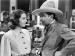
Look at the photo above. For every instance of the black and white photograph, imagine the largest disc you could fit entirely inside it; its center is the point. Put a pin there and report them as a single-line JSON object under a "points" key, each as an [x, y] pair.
{"points": [[37, 27]]}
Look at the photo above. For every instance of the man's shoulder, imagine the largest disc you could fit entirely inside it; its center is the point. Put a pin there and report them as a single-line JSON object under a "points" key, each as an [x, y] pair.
{"points": [[62, 26]]}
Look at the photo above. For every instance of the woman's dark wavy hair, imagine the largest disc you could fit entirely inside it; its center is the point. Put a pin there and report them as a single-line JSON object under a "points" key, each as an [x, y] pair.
{"points": [[14, 18]]}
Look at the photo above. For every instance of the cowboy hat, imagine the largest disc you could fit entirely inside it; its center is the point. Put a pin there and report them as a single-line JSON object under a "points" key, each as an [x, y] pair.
{"points": [[48, 6]]}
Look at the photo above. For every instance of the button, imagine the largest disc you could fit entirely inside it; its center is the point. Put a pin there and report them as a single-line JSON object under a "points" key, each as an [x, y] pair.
{"points": [[25, 48], [24, 42], [22, 37]]}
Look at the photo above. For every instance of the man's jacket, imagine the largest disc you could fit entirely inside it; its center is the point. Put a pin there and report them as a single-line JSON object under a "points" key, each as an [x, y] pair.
{"points": [[56, 34]]}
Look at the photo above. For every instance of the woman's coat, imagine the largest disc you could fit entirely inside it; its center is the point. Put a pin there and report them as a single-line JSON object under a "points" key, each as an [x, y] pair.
{"points": [[13, 44]]}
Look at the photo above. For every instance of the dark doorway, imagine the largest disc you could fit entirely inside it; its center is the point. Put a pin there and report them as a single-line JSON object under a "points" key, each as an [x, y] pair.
{"points": [[41, 2], [23, 4], [73, 4], [5, 5]]}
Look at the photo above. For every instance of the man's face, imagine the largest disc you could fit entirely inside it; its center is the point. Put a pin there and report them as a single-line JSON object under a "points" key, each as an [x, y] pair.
{"points": [[46, 19]]}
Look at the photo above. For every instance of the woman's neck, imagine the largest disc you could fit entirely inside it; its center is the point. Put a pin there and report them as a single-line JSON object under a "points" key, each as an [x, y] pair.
{"points": [[18, 29]]}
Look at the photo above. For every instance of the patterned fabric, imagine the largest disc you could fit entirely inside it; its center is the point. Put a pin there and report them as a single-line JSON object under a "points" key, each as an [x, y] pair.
{"points": [[15, 44]]}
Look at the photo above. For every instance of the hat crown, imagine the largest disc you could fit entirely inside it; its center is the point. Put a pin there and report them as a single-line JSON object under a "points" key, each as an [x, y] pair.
{"points": [[48, 4]]}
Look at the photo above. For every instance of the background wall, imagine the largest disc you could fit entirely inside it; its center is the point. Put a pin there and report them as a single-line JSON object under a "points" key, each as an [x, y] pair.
{"points": [[5, 5], [73, 4]]}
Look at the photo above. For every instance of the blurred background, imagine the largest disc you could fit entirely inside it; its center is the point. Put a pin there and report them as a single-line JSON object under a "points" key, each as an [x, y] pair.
{"points": [[29, 5], [7, 6]]}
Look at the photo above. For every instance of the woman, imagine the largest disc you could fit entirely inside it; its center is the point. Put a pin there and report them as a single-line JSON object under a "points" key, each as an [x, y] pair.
{"points": [[17, 41]]}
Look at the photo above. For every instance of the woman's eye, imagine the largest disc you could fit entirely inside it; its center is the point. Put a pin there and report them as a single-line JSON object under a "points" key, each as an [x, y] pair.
{"points": [[23, 18]]}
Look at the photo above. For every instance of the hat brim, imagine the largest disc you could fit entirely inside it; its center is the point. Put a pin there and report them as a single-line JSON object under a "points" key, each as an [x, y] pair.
{"points": [[57, 12]]}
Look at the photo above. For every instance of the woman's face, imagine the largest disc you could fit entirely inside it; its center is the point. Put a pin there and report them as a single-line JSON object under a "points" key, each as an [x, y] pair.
{"points": [[23, 20]]}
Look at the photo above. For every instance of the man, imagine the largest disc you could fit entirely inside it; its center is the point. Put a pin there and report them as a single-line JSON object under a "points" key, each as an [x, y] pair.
{"points": [[55, 31]]}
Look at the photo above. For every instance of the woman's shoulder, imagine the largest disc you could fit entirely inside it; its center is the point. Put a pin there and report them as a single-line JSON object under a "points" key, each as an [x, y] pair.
{"points": [[25, 31], [8, 34]]}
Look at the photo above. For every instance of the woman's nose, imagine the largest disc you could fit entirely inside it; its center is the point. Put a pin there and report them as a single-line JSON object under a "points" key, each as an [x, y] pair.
{"points": [[26, 20]]}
